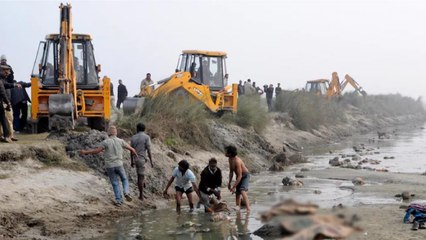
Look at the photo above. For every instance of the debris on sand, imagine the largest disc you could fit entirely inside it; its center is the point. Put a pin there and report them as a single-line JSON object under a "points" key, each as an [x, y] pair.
{"points": [[294, 220], [280, 160], [289, 207], [358, 181], [287, 181]]}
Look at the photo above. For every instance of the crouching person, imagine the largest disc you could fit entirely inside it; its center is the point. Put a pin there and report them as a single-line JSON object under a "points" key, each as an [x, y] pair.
{"points": [[185, 183], [113, 156], [211, 180]]}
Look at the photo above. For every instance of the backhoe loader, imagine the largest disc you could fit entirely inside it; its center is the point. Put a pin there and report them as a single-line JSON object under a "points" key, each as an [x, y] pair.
{"points": [[200, 76], [333, 88], [65, 84]]}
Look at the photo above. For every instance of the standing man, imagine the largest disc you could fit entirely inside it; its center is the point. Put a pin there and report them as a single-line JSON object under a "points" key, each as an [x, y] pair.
{"points": [[257, 89], [185, 183], [248, 88], [146, 87], [121, 93], [237, 166], [278, 90], [113, 156], [3, 61], [20, 99], [4, 105], [141, 142], [269, 95], [211, 181], [5, 72], [111, 96], [240, 88]]}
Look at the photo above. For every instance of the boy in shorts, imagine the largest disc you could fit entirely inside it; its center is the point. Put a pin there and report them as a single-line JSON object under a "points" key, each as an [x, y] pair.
{"points": [[185, 183]]}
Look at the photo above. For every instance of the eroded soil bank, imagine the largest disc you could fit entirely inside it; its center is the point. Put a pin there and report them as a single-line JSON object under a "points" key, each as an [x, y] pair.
{"points": [[49, 192]]}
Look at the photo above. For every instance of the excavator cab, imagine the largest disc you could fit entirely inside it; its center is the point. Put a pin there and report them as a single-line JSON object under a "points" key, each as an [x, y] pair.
{"points": [[205, 69], [46, 67], [333, 88], [318, 87]]}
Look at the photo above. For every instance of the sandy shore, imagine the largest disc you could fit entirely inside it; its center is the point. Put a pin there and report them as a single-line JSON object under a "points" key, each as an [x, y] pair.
{"points": [[381, 221]]}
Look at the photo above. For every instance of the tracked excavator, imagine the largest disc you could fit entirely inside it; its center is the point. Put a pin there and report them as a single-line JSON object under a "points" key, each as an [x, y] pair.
{"points": [[200, 76], [333, 88], [65, 85]]}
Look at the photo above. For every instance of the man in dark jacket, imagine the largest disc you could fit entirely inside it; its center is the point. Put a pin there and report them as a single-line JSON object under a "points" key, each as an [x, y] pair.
{"points": [[4, 106], [269, 94], [122, 93], [240, 88], [211, 180], [3, 61], [19, 100], [5, 72]]}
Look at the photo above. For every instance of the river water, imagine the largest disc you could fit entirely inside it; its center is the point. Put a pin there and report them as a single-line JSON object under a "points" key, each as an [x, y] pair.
{"points": [[408, 148]]}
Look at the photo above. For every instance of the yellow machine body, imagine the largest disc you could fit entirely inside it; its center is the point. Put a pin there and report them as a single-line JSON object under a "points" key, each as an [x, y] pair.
{"points": [[65, 84], [333, 88], [200, 75]]}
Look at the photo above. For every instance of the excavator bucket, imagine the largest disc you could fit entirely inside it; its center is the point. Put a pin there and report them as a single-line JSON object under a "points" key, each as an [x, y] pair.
{"points": [[61, 111], [133, 105]]}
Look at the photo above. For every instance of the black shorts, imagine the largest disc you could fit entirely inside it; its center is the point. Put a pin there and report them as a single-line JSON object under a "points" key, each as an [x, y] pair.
{"points": [[179, 189]]}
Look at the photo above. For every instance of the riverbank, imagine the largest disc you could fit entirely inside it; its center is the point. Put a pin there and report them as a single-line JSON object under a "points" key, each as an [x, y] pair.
{"points": [[48, 192]]}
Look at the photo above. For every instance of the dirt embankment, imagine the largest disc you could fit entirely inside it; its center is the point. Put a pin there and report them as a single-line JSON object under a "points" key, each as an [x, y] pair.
{"points": [[50, 192]]}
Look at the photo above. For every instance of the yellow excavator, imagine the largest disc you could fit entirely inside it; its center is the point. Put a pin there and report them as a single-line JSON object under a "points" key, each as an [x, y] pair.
{"points": [[333, 88], [65, 84], [200, 76]]}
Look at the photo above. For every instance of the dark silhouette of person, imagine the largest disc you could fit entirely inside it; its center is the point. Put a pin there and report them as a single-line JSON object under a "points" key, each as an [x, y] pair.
{"points": [[121, 93]]}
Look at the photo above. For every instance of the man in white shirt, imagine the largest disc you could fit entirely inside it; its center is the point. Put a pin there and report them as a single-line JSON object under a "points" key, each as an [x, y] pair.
{"points": [[185, 183]]}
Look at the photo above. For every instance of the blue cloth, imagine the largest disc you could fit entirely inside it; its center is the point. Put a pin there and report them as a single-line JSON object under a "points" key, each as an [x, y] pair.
{"points": [[244, 183], [418, 215], [113, 174]]}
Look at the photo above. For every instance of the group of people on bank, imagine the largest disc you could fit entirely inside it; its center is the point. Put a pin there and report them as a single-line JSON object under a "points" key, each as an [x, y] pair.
{"points": [[13, 103], [249, 88], [208, 191]]}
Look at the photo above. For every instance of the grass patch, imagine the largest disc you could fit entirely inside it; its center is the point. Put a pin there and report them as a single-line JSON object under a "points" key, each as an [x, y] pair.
{"points": [[309, 111], [53, 156], [172, 119], [390, 105], [251, 113], [176, 120], [4, 176]]}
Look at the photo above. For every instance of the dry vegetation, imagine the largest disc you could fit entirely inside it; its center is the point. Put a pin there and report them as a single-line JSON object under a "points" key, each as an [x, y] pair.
{"points": [[177, 121], [310, 111]]}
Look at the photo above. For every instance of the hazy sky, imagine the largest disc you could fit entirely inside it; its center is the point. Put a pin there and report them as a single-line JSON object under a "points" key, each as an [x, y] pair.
{"points": [[381, 44]]}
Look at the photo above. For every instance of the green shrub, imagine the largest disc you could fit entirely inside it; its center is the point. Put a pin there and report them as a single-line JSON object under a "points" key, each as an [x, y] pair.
{"points": [[251, 113], [172, 119], [308, 110]]}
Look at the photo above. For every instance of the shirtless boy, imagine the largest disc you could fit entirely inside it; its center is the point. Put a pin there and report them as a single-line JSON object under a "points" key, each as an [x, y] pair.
{"points": [[237, 166]]}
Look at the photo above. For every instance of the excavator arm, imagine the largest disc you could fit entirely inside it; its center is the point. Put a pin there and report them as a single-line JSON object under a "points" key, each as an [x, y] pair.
{"points": [[62, 106], [354, 84], [334, 88]]}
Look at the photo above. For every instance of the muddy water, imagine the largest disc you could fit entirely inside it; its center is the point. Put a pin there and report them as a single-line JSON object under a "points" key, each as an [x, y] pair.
{"points": [[407, 148]]}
